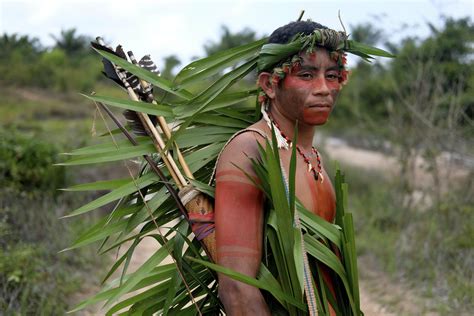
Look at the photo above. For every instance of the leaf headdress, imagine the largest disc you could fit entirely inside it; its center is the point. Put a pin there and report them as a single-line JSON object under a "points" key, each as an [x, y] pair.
{"points": [[272, 54]]}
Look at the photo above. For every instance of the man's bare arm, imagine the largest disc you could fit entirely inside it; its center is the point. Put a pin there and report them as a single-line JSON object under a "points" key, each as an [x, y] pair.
{"points": [[239, 227]]}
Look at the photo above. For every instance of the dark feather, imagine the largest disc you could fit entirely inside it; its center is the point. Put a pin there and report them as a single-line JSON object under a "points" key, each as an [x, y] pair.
{"points": [[148, 64], [135, 124], [104, 48], [120, 52], [134, 83], [109, 72], [116, 79], [109, 69]]}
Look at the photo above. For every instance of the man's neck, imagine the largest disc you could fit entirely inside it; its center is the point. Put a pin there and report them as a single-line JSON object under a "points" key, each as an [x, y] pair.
{"points": [[287, 127]]}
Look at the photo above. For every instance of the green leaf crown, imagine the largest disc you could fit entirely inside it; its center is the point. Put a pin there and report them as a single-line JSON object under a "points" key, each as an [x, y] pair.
{"points": [[272, 54]]}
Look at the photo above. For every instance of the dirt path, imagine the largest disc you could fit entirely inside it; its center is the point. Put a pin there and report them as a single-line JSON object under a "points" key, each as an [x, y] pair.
{"points": [[142, 252], [348, 155]]}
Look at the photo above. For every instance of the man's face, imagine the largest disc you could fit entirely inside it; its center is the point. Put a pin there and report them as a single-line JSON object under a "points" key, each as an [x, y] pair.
{"points": [[308, 93]]}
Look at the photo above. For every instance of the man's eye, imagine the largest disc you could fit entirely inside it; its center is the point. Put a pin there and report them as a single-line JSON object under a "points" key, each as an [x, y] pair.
{"points": [[332, 76], [306, 75]]}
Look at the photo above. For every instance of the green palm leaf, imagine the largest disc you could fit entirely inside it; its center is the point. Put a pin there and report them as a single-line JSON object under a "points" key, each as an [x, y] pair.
{"points": [[113, 154], [153, 109], [206, 67], [124, 190]]}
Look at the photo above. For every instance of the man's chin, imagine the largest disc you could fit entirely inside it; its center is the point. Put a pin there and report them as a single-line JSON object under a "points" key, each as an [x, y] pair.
{"points": [[316, 115], [316, 121]]}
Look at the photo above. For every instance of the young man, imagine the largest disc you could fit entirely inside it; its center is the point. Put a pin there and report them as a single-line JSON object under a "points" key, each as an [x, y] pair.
{"points": [[302, 89]]}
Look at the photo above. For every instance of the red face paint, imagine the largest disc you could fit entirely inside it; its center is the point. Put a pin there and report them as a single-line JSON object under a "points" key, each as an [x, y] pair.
{"points": [[309, 92]]}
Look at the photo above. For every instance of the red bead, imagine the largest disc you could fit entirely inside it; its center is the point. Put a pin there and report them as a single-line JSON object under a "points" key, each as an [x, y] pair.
{"points": [[305, 158]]}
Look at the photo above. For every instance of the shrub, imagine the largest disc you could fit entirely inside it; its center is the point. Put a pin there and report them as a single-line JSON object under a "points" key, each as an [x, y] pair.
{"points": [[26, 164]]}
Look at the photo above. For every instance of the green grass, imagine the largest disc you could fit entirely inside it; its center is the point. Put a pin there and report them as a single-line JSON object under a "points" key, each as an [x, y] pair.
{"points": [[35, 278]]}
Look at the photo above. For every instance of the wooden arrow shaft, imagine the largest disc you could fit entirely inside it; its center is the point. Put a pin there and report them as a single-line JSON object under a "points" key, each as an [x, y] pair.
{"points": [[164, 125]]}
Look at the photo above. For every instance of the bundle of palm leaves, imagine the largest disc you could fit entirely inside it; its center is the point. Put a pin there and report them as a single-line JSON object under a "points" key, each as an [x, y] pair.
{"points": [[147, 206]]}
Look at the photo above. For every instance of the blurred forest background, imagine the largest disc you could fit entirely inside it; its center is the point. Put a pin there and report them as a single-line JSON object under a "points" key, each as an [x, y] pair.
{"points": [[413, 205]]}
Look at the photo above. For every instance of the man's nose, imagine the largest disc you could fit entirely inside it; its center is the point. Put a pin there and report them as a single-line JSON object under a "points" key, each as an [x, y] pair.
{"points": [[320, 86]]}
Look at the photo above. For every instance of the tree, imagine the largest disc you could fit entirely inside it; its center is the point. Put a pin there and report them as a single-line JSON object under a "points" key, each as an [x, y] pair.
{"points": [[366, 33], [24, 45], [449, 54], [71, 43], [171, 62], [230, 40]]}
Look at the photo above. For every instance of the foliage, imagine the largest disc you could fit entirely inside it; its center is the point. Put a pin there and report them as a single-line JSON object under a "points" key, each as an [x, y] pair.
{"points": [[230, 40], [122, 228], [442, 61], [72, 44], [26, 164], [366, 33], [65, 67], [397, 237], [34, 278], [57, 71], [201, 138], [171, 62], [20, 45]]}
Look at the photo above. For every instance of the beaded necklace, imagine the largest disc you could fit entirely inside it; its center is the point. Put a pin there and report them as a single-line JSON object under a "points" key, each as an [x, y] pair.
{"points": [[280, 135]]}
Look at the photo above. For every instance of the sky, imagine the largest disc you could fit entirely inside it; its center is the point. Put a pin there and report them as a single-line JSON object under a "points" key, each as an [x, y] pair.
{"points": [[182, 27]]}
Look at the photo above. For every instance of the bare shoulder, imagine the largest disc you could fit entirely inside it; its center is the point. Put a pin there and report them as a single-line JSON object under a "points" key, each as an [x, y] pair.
{"points": [[241, 148]]}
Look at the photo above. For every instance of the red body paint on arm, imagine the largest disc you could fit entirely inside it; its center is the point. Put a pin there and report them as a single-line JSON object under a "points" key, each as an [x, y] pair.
{"points": [[239, 219]]}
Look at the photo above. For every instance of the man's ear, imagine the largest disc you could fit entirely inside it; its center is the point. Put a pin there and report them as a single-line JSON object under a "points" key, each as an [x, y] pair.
{"points": [[264, 81]]}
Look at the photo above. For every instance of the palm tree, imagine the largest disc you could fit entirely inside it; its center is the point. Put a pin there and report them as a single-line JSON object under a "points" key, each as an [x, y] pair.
{"points": [[230, 40], [171, 62], [26, 46], [71, 43]]}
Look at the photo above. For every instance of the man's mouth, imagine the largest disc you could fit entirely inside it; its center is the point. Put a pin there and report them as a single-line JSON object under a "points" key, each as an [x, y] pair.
{"points": [[320, 105]]}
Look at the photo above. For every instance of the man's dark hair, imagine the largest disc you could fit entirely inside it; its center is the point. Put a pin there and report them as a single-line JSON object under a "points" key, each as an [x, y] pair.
{"points": [[284, 34]]}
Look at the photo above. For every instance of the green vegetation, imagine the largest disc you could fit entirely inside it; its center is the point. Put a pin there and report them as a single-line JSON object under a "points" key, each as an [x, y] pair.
{"points": [[420, 105], [36, 125], [34, 277], [27, 164], [69, 66], [428, 249]]}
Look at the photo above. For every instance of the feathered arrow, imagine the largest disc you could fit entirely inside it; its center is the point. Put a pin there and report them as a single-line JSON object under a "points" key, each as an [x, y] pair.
{"points": [[113, 72], [199, 207]]}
